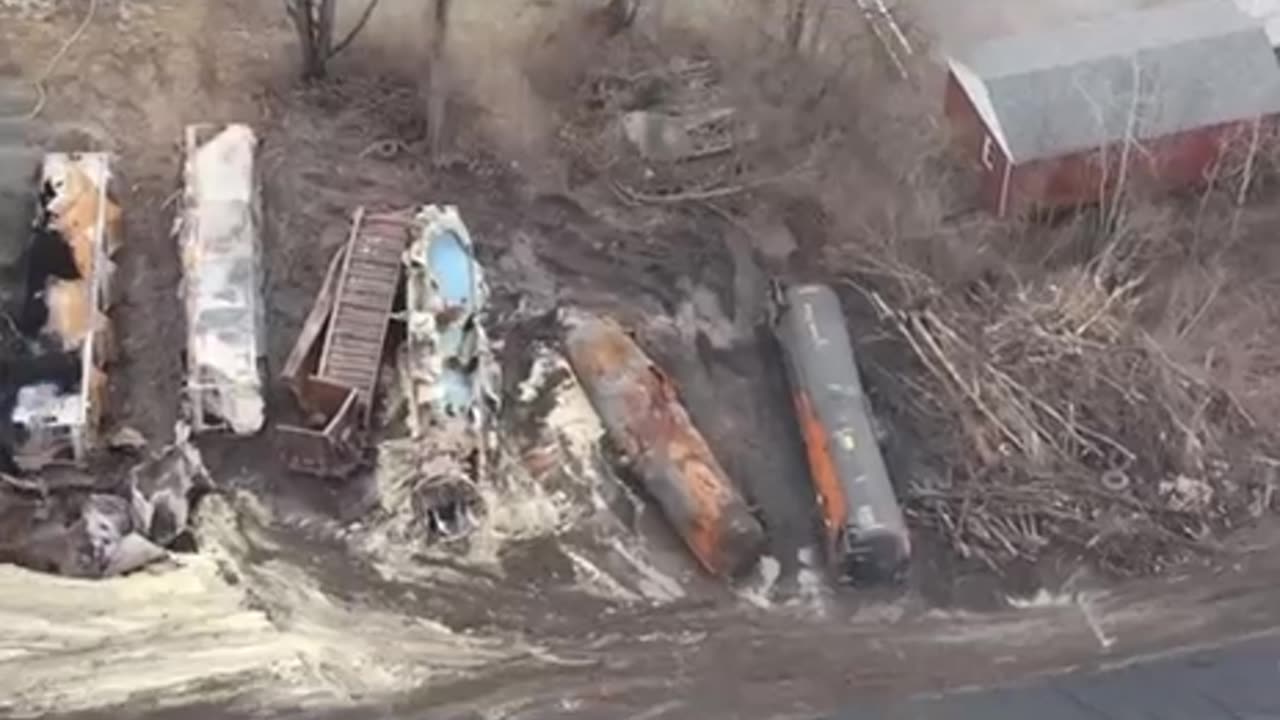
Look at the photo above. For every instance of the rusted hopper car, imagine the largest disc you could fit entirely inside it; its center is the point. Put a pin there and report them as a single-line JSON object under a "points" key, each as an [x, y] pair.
{"points": [[641, 410], [334, 366]]}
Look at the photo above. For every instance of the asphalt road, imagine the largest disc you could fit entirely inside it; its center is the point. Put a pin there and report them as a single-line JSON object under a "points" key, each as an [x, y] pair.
{"points": [[1240, 681], [1237, 682]]}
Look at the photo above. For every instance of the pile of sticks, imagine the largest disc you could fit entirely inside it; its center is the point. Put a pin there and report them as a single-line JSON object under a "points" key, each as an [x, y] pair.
{"points": [[1066, 425]]}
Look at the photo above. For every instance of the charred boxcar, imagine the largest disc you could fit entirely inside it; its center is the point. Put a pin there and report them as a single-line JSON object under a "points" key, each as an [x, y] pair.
{"points": [[221, 256], [55, 389]]}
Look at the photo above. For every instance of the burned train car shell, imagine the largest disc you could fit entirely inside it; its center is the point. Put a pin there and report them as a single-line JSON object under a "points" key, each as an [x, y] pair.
{"points": [[221, 251], [58, 402], [445, 296], [447, 372], [866, 534], [638, 405]]}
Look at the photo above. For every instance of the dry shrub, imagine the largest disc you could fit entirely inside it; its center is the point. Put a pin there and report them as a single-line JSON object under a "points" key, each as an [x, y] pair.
{"points": [[1068, 423]]}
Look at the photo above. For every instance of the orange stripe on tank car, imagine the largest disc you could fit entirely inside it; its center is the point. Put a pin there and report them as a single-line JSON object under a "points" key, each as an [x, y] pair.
{"points": [[833, 505]]}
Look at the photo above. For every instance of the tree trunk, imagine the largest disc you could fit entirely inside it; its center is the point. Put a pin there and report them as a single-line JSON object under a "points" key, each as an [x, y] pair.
{"points": [[436, 92]]}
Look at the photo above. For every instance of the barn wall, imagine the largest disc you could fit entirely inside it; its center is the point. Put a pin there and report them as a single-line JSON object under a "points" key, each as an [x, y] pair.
{"points": [[969, 136], [1174, 161]]}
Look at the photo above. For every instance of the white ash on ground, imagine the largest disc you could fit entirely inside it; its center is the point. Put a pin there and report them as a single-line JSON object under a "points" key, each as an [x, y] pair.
{"points": [[549, 480]]}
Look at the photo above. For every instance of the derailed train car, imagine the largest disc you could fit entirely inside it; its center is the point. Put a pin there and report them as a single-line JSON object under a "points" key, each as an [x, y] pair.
{"points": [[866, 534], [448, 372], [641, 411], [448, 378], [335, 363], [221, 287], [55, 377]]}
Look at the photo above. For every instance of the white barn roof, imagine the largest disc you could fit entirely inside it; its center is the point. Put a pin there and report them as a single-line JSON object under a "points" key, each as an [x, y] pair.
{"points": [[1142, 74]]}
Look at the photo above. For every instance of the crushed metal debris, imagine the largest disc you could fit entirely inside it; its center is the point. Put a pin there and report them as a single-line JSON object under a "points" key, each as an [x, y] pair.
{"points": [[69, 522]]}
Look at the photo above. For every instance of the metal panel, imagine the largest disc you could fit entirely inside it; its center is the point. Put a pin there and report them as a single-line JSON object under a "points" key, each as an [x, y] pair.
{"points": [[866, 533], [366, 289], [305, 355]]}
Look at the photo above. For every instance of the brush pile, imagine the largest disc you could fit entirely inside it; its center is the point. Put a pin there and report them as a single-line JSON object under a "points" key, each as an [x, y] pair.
{"points": [[665, 130], [1067, 426]]}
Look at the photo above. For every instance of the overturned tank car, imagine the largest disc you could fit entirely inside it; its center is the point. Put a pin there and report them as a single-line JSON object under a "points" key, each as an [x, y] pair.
{"points": [[641, 410], [447, 372], [866, 534]]}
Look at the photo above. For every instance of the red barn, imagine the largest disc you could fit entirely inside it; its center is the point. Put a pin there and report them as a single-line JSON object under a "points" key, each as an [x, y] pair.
{"points": [[1062, 117]]}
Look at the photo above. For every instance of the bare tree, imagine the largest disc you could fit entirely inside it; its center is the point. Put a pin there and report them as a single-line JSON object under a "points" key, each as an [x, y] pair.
{"points": [[436, 81], [796, 18], [313, 20]]}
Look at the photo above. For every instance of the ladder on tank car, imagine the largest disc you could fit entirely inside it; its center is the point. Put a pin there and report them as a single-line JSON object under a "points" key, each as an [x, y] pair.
{"points": [[352, 353]]}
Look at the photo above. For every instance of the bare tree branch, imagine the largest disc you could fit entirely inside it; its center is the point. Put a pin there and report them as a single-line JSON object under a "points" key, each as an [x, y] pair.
{"points": [[355, 30], [314, 21]]}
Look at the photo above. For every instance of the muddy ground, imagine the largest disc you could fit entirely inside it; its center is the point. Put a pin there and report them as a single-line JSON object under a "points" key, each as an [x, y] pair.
{"points": [[689, 277]]}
